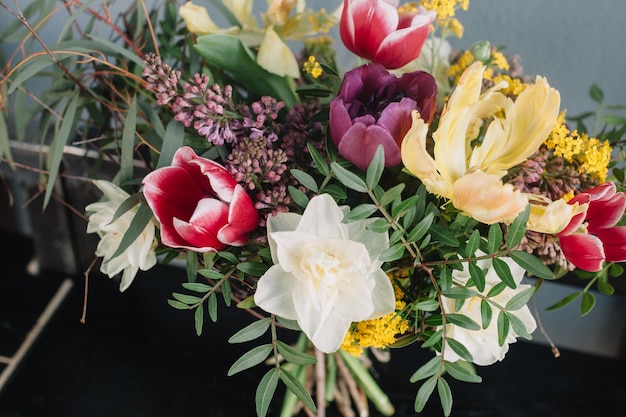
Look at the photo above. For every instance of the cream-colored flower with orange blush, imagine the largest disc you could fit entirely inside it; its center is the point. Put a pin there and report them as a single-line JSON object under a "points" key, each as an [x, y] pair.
{"points": [[470, 175]]}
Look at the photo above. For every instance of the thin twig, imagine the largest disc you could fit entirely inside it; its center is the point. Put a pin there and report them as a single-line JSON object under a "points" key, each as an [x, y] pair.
{"points": [[83, 318], [352, 387], [555, 350], [320, 382]]}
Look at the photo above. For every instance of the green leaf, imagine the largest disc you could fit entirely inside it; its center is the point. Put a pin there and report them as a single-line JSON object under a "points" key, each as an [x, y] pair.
{"points": [[305, 179], [433, 339], [288, 324], [252, 331], [247, 303], [375, 168], [459, 349], [293, 356], [532, 264], [424, 393], [520, 299], [485, 313], [5, 144], [186, 298], [496, 289], [504, 272], [430, 304], [256, 269], [126, 205], [126, 172], [392, 194], [178, 305], [57, 147], [472, 243], [462, 373], [503, 327], [565, 301], [462, 321], [587, 303], [403, 207], [596, 93], [443, 235], [265, 392], [318, 160], [297, 389], [517, 229], [459, 293], [427, 370], [139, 222], [250, 359], [393, 253], [519, 327], [231, 55], [494, 238], [362, 211], [211, 273], [199, 319], [478, 275], [298, 196], [445, 396], [348, 178], [227, 293], [379, 226], [197, 287], [173, 140], [212, 307], [421, 228]]}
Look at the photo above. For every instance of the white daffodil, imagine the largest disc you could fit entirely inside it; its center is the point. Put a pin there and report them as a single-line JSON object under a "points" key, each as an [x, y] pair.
{"points": [[483, 343], [326, 273], [139, 255], [469, 174]]}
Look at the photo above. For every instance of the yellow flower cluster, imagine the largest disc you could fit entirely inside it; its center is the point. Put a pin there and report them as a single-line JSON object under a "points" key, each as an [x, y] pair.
{"points": [[311, 66], [445, 8], [515, 85], [378, 333], [322, 21], [590, 154]]}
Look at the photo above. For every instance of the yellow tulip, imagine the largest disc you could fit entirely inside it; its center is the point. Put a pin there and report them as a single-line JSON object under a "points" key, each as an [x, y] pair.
{"points": [[197, 19]]}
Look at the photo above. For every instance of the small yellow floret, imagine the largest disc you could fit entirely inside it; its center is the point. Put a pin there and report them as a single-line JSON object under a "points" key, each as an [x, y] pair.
{"points": [[515, 85], [311, 66], [499, 60]]}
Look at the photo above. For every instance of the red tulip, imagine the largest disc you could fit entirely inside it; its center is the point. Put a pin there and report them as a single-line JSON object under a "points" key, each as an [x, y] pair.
{"points": [[374, 30], [199, 204], [592, 237]]}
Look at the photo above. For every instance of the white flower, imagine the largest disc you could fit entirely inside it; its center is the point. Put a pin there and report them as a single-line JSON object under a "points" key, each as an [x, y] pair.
{"points": [[483, 343], [139, 255], [326, 273]]}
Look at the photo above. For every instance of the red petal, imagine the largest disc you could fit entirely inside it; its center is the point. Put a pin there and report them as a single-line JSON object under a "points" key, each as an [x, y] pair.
{"points": [[242, 219], [364, 25], [578, 219], [200, 232], [583, 250], [606, 212], [401, 47], [614, 243]]}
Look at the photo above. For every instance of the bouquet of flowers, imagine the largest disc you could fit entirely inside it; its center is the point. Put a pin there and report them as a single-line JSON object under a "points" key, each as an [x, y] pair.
{"points": [[416, 200]]}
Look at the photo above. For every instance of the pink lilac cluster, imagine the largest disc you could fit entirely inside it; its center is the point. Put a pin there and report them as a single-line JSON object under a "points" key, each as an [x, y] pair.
{"points": [[299, 130], [260, 119], [162, 79]]}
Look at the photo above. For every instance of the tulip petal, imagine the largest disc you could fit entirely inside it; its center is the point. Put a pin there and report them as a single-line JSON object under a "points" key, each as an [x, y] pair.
{"points": [[583, 250], [360, 142], [396, 118], [605, 213], [199, 233], [401, 46], [614, 243], [242, 218], [339, 120]]}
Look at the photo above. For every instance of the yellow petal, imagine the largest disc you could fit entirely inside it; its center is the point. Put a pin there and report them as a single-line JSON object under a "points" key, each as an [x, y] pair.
{"points": [[276, 57], [242, 10], [553, 217], [416, 159], [197, 19], [527, 123], [279, 10], [485, 198]]}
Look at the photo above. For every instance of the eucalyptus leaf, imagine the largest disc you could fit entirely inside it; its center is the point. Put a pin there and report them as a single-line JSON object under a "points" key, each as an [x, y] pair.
{"points": [[173, 140], [139, 222]]}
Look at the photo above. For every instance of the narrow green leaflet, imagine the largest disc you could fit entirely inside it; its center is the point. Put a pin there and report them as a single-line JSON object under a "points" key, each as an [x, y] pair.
{"points": [[298, 196], [186, 298], [472, 243], [519, 327], [462, 321], [462, 373], [318, 160], [5, 144], [252, 331], [126, 173], [427, 370], [532, 264], [520, 299], [485, 313], [459, 293], [392, 194], [305, 179], [494, 238], [126, 205], [56, 149], [421, 228], [297, 389], [348, 178], [478, 275], [504, 272], [565, 301], [250, 359], [587, 303], [362, 211], [375, 168], [433, 339], [265, 392], [197, 287], [424, 393], [459, 349], [212, 307], [227, 293], [294, 356], [173, 140], [503, 327], [256, 269], [393, 253], [445, 396], [517, 229], [441, 234], [178, 305], [199, 319], [139, 222]]}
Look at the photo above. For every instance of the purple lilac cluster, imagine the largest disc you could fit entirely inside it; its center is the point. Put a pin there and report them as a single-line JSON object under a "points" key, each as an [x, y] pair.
{"points": [[161, 78]]}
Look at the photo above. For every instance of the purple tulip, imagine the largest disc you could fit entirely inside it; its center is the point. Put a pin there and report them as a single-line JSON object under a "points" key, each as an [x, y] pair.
{"points": [[374, 108]]}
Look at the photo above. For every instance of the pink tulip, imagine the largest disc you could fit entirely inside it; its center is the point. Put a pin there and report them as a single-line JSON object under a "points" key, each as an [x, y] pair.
{"points": [[374, 30], [199, 204], [592, 237]]}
